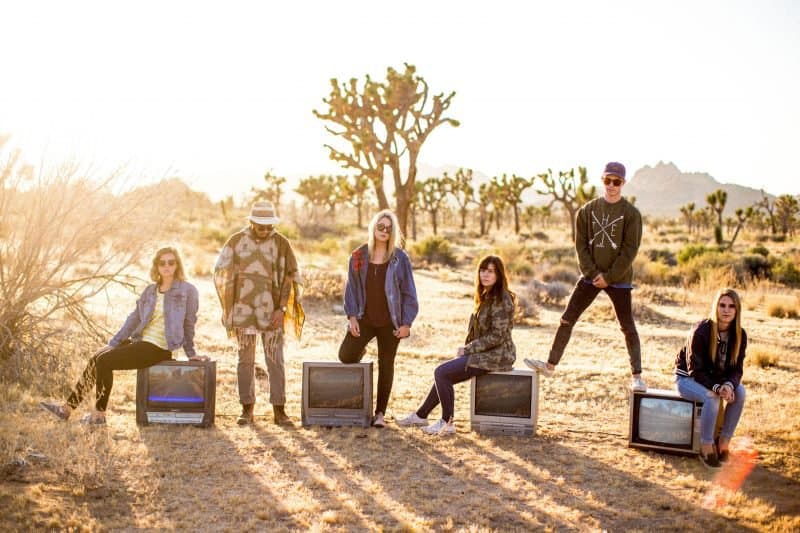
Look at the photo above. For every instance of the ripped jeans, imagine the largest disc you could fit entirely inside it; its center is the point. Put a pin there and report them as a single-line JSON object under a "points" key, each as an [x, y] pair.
{"points": [[689, 389], [582, 296]]}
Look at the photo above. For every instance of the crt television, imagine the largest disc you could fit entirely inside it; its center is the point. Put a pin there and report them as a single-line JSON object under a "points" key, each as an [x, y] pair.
{"points": [[505, 402], [177, 392], [337, 394], [662, 420]]}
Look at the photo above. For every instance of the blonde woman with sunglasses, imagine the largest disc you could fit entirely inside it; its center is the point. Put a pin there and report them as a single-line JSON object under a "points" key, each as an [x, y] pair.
{"points": [[162, 322]]}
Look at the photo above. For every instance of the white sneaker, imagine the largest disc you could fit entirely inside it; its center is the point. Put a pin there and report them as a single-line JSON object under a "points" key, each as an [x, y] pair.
{"points": [[539, 366], [377, 421], [440, 427], [638, 384], [412, 420]]}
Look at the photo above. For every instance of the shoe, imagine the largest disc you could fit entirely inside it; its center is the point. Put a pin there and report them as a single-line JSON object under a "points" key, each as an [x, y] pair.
{"points": [[90, 419], [377, 421], [412, 420], [279, 416], [56, 409], [638, 384], [440, 427], [710, 460], [724, 456], [539, 366], [247, 415]]}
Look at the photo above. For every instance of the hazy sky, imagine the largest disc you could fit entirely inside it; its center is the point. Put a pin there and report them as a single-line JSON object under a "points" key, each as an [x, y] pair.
{"points": [[219, 93]]}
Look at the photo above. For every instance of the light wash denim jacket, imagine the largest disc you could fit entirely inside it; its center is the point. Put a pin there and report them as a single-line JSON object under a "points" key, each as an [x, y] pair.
{"points": [[180, 314], [401, 293]]}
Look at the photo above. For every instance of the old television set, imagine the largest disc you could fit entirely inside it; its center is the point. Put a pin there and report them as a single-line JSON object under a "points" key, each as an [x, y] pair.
{"points": [[662, 420], [337, 394], [177, 392], [505, 402]]}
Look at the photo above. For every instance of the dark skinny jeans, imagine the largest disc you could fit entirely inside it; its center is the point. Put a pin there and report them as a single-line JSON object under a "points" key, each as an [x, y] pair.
{"points": [[353, 349], [444, 377], [99, 370], [582, 296]]}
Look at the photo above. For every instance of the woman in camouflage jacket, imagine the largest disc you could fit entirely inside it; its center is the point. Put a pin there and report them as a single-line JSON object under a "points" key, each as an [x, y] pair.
{"points": [[487, 348]]}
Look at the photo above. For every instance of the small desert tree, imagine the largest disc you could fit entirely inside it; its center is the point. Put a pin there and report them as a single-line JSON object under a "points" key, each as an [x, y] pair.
{"points": [[353, 190], [319, 192], [511, 190], [742, 216], [485, 199], [431, 196], [768, 206], [786, 213], [568, 190], [688, 216], [460, 187], [386, 124], [272, 191], [716, 205]]}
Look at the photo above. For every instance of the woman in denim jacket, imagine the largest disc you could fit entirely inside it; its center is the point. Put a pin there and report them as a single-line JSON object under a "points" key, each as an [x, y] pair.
{"points": [[162, 322], [380, 300]]}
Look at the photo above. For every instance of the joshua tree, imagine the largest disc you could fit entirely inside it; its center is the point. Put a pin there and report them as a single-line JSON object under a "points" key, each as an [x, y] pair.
{"points": [[786, 211], [353, 190], [432, 194], [511, 190], [688, 216], [742, 215], [385, 123], [769, 208], [460, 186], [564, 189], [273, 190]]}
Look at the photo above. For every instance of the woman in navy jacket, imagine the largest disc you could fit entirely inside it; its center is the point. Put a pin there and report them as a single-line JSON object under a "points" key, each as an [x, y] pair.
{"points": [[380, 300], [162, 322], [709, 369]]}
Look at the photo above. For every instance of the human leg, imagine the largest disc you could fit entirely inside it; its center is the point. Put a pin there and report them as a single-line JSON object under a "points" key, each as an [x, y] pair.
{"points": [[352, 348], [733, 412], [127, 357], [689, 389], [245, 370], [273, 357], [448, 374], [582, 296], [623, 307], [85, 382], [387, 350]]}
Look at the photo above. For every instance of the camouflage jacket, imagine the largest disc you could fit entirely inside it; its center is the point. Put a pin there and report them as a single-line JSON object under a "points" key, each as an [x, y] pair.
{"points": [[489, 344]]}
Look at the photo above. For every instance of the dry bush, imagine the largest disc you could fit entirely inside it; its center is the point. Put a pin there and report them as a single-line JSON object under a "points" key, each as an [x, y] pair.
{"points": [[434, 249], [66, 239], [323, 285], [779, 306], [561, 272], [537, 292], [761, 357]]}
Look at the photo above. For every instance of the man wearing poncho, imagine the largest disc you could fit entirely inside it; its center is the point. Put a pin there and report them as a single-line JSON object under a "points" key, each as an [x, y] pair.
{"points": [[258, 284]]}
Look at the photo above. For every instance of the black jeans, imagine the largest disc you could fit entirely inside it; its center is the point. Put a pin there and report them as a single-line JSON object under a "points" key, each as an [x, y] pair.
{"points": [[99, 370], [584, 294], [444, 377], [353, 349]]}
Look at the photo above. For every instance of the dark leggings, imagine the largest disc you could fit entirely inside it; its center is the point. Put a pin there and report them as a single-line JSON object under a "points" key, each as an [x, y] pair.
{"points": [[99, 370], [444, 377], [353, 349]]}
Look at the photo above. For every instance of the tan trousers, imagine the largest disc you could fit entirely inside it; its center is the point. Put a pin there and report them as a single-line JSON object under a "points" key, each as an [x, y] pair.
{"points": [[273, 356]]}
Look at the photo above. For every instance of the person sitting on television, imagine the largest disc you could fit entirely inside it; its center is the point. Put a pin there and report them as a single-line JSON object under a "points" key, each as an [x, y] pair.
{"points": [[709, 369], [380, 300], [487, 348], [163, 321]]}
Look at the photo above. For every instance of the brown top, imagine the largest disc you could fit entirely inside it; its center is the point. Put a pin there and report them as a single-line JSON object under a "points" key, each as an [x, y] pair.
{"points": [[376, 313]]}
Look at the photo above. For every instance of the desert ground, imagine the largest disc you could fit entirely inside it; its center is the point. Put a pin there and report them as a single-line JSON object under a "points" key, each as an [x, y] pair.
{"points": [[575, 473]]}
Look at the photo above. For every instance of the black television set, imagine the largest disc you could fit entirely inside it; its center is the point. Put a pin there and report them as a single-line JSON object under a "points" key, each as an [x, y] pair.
{"points": [[337, 394], [177, 392], [505, 402], [661, 420]]}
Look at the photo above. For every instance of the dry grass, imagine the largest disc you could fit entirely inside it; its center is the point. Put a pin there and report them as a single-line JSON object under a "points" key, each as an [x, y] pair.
{"points": [[575, 473]]}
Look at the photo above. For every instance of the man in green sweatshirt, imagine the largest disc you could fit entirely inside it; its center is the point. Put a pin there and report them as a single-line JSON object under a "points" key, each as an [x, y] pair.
{"points": [[608, 232]]}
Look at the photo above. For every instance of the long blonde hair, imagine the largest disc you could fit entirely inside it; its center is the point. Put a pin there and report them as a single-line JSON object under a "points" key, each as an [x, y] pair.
{"points": [[395, 237], [736, 326]]}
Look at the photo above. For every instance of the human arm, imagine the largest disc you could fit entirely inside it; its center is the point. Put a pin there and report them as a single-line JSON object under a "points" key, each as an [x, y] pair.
{"points": [[698, 357], [354, 265], [190, 320], [409, 305], [586, 262], [733, 373], [498, 318], [631, 239], [131, 323]]}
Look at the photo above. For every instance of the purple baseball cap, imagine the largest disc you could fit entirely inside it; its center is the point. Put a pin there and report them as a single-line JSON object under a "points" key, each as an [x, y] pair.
{"points": [[614, 169]]}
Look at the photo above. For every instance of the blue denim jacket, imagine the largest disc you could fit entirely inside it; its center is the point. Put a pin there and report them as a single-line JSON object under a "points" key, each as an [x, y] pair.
{"points": [[180, 314], [401, 293]]}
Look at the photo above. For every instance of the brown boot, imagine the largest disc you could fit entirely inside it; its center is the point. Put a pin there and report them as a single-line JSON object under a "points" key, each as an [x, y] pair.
{"points": [[247, 414], [280, 416]]}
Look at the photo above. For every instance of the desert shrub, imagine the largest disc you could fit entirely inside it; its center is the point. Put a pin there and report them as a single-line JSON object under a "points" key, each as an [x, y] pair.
{"points": [[434, 249], [214, 234], [778, 238], [662, 256], [655, 272], [328, 246], [559, 255], [785, 271], [689, 252], [711, 267], [540, 236], [516, 256], [761, 357], [760, 250], [755, 266], [562, 273], [544, 293], [323, 285]]}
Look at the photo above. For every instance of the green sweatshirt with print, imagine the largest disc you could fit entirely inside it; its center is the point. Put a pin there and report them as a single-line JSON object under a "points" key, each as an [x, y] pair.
{"points": [[607, 238]]}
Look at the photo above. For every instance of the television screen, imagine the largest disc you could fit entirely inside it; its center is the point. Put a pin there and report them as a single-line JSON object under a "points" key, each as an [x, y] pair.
{"points": [[335, 387], [176, 386], [666, 421], [503, 395]]}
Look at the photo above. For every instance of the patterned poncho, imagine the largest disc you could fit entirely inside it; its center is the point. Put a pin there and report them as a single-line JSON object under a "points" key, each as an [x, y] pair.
{"points": [[253, 278]]}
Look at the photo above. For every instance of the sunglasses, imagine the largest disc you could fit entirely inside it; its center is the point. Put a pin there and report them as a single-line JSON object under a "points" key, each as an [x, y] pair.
{"points": [[165, 262], [384, 227], [262, 227], [616, 182]]}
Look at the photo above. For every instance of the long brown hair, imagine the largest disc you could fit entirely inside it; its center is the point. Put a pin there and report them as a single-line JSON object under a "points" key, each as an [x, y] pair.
{"points": [[500, 286], [736, 327], [179, 273]]}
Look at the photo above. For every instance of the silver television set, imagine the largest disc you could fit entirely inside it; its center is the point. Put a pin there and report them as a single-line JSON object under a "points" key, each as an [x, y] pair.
{"points": [[505, 403], [337, 394], [177, 392], [661, 420]]}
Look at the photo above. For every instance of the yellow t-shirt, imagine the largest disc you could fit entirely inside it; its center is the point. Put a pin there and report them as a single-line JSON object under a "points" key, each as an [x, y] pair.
{"points": [[155, 331]]}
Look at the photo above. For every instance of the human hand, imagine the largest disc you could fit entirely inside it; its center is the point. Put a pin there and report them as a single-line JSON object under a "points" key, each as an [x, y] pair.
{"points": [[199, 358], [277, 319], [599, 281], [402, 332], [460, 351], [726, 393], [355, 330]]}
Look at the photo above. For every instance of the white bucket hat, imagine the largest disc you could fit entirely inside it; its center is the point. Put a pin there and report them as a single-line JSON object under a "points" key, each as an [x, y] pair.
{"points": [[263, 213]]}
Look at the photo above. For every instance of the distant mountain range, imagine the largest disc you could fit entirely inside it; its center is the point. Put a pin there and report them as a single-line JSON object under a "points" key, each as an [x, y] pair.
{"points": [[663, 189]]}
